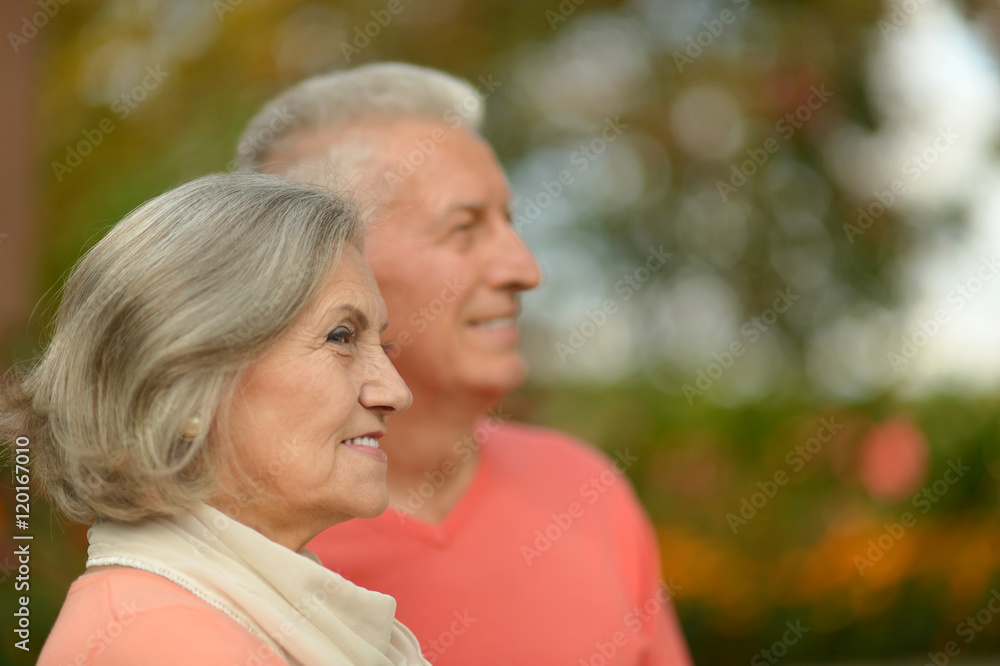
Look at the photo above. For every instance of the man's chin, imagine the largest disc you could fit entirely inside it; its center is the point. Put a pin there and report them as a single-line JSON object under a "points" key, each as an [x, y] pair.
{"points": [[499, 379]]}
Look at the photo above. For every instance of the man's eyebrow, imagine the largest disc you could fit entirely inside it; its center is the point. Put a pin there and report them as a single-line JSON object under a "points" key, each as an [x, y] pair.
{"points": [[474, 206], [362, 319]]}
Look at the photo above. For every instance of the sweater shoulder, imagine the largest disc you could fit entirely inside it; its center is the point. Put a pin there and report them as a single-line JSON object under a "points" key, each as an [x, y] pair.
{"points": [[545, 446], [121, 615]]}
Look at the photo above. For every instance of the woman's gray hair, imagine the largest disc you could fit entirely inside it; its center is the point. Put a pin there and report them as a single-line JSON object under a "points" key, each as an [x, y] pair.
{"points": [[379, 93], [157, 323]]}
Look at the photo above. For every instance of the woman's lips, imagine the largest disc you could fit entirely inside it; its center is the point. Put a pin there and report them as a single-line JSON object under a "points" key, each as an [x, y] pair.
{"points": [[367, 446]]}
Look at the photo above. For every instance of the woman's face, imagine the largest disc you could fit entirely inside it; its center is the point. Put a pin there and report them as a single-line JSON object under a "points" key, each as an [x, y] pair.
{"points": [[297, 416]]}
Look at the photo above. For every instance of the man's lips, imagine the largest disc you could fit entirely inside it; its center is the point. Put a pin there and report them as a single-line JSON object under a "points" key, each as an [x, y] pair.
{"points": [[496, 322], [497, 318]]}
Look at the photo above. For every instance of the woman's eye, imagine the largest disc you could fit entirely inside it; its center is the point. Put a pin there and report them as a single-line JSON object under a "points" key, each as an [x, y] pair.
{"points": [[341, 335], [388, 347]]}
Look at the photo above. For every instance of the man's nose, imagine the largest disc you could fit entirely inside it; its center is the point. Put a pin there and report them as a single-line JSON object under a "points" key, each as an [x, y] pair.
{"points": [[512, 265]]}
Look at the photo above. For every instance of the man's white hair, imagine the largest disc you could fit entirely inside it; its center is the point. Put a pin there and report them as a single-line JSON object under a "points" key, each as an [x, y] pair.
{"points": [[370, 94]]}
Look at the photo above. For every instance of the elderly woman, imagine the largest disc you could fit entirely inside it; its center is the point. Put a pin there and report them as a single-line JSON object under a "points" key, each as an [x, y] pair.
{"points": [[212, 397]]}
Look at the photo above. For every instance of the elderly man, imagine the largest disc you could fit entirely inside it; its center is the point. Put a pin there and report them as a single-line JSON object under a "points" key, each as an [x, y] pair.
{"points": [[503, 544]]}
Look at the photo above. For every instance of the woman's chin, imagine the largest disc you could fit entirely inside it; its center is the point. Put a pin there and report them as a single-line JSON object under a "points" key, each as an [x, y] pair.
{"points": [[375, 508]]}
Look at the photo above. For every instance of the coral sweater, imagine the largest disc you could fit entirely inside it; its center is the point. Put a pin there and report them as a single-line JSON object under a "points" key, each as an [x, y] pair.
{"points": [[128, 616], [547, 559]]}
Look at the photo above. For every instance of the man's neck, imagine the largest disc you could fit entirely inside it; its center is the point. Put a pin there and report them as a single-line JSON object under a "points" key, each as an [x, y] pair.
{"points": [[432, 456]]}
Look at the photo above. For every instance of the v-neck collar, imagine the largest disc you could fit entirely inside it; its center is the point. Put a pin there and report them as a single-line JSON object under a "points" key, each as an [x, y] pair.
{"points": [[442, 533]]}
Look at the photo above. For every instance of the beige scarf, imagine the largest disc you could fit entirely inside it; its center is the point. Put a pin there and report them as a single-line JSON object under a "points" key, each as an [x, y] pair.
{"points": [[306, 613]]}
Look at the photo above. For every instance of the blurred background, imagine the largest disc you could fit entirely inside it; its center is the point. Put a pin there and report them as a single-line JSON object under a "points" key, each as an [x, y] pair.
{"points": [[770, 233]]}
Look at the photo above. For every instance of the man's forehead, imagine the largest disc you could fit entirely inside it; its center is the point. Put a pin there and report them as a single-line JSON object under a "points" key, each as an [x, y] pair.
{"points": [[413, 165], [386, 131]]}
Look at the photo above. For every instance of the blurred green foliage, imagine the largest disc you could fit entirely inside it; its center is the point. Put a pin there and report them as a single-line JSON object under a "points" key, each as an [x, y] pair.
{"points": [[795, 558]]}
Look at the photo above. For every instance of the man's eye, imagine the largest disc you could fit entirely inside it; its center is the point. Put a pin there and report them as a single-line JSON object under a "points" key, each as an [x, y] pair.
{"points": [[465, 225], [341, 335]]}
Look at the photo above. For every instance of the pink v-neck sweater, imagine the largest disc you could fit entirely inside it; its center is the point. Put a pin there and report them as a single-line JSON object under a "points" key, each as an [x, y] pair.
{"points": [[547, 559]]}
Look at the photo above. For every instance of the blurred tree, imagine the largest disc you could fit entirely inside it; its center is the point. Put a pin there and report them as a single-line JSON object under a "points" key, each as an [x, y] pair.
{"points": [[18, 235], [742, 136]]}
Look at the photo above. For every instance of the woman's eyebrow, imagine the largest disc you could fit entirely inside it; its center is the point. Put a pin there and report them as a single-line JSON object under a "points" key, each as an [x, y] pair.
{"points": [[358, 315], [352, 310]]}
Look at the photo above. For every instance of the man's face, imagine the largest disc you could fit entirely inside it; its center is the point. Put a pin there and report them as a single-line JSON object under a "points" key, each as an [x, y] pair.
{"points": [[449, 262]]}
